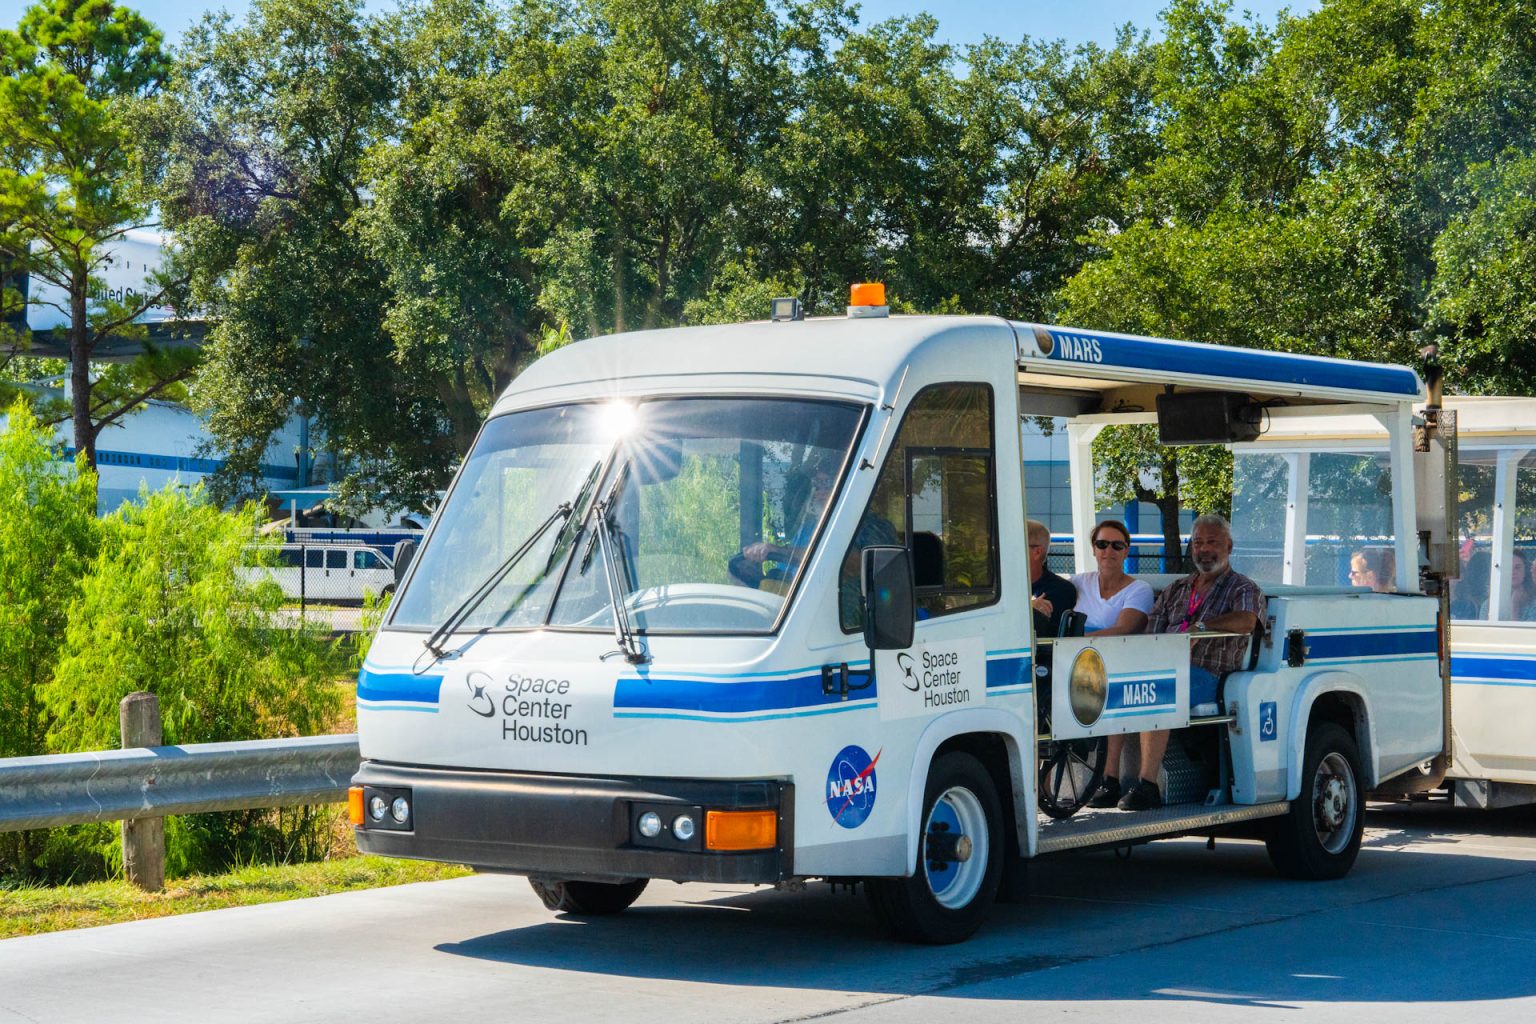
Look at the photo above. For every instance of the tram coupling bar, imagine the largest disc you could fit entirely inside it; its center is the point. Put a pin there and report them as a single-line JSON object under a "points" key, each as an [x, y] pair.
{"points": [[948, 847]]}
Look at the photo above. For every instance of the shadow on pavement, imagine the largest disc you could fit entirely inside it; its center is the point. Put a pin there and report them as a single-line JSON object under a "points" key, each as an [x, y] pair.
{"points": [[1172, 922]]}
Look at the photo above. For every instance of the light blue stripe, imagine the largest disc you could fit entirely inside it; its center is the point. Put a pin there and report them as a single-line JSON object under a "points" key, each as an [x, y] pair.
{"points": [[1011, 650], [1142, 711], [731, 719], [1491, 682], [1366, 631], [1376, 661], [421, 709], [1021, 688], [1141, 676]]}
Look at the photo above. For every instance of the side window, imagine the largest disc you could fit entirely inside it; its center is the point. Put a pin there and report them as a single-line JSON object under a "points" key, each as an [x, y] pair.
{"points": [[367, 560], [335, 558], [935, 494], [290, 557], [314, 558]]}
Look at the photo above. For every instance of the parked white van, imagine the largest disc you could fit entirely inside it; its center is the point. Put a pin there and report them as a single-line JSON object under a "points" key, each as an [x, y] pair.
{"points": [[328, 573]]}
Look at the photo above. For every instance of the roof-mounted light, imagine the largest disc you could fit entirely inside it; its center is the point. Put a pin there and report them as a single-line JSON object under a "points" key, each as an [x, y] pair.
{"points": [[785, 309], [867, 299]]}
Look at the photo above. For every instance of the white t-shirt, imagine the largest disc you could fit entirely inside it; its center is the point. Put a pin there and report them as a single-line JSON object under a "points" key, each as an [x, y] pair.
{"points": [[1101, 613]]}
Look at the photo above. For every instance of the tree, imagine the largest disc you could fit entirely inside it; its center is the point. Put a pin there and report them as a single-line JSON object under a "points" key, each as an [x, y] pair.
{"points": [[73, 76], [263, 134], [48, 536]]}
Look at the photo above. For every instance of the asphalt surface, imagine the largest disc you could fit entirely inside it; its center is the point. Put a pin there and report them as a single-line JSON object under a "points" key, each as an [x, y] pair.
{"points": [[1437, 922]]}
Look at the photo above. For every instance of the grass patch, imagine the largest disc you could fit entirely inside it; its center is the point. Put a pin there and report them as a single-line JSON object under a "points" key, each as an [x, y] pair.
{"points": [[31, 910]]}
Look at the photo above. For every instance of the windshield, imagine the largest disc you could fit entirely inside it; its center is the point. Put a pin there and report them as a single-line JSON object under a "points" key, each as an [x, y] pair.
{"points": [[713, 506]]}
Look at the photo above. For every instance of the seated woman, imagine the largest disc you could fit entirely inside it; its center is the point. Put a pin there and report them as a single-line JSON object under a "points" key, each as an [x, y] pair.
{"points": [[1114, 603]]}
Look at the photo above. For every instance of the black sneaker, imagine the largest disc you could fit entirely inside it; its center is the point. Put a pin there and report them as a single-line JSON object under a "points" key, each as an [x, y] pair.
{"points": [[1144, 796], [1107, 795]]}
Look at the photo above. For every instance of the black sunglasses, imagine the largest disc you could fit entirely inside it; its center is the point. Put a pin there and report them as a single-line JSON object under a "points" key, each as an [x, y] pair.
{"points": [[1105, 545]]}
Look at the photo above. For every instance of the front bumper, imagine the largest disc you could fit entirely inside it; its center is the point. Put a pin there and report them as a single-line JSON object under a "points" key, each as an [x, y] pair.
{"points": [[572, 826]]}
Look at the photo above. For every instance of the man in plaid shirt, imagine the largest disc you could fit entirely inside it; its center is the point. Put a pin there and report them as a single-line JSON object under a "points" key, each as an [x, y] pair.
{"points": [[1212, 599]]}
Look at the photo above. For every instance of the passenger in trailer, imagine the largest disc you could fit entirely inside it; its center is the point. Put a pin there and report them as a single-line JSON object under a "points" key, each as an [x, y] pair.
{"points": [[1211, 599], [1051, 596], [1375, 568], [1114, 602]]}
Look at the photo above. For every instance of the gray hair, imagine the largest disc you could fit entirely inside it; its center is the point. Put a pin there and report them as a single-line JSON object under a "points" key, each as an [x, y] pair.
{"points": [[1037, 531], [1214, 521]]}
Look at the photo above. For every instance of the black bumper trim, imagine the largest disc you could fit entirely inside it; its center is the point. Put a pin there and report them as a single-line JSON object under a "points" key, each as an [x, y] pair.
{"points": [[570, 826]]}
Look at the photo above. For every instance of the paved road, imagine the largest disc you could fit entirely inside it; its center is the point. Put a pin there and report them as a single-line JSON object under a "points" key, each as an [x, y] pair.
{"points": [[1437, 922]]}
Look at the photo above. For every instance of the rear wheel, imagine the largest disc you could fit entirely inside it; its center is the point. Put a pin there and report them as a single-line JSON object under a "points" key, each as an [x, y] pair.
{"points": [[960, 859], [1320, 836], [588, 899]]}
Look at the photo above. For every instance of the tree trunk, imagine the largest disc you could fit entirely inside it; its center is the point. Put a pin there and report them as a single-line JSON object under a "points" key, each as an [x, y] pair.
{"points": [[1168, 508], [80, 371]]}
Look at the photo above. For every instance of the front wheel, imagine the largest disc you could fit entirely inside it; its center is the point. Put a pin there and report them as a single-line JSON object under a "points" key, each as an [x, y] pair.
{"points": [[588, 899], [960, 859], [1319, 838]]}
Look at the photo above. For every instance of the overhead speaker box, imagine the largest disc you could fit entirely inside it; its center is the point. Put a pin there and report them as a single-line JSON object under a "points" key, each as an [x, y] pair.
{"points": [[1207, 417]]}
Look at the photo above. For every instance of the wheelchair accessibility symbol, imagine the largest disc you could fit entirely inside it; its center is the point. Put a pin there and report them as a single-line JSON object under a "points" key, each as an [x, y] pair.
{"points": [[1269, 725]]}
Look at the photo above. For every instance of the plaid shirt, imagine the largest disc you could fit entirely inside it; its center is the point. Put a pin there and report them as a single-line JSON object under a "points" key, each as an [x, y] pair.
{"points": [[1232, 592]]}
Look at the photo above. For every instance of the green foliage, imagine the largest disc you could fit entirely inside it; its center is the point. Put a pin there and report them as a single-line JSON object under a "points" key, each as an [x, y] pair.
{"points": [[74, 77], [164, 608], [48, 536]]}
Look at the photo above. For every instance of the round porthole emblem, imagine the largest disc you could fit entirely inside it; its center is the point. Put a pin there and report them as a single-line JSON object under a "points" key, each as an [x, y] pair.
{"points": [[1088, 687]]}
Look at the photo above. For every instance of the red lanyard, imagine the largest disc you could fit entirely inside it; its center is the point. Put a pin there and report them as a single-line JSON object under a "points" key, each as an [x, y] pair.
{"points": [[1196, 599]]}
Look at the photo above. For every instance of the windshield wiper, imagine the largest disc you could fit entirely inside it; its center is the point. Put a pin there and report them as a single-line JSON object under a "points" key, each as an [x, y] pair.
{"points": [[623, 631], [480, 593]]}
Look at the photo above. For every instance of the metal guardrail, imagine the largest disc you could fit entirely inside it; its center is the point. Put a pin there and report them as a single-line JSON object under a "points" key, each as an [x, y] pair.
{"points": [[152, 782]]}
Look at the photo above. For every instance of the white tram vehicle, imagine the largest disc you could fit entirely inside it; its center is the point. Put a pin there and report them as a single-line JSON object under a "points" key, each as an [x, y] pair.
{"points": [[750, 604], [1328, 464]]}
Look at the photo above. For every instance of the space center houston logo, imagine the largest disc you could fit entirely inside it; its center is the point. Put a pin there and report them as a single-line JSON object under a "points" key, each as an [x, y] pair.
{"points": [[531, 708], [934, 677], [851, 786]]}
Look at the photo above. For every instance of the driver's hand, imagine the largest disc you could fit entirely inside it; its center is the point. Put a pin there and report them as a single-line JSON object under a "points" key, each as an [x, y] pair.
{"points": [[1041, 605], [761, 551]]}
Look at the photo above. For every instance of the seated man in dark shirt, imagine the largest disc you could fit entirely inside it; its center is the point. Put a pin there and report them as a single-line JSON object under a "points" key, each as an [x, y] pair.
{"points": [[1213, 599], [1050, 594]]}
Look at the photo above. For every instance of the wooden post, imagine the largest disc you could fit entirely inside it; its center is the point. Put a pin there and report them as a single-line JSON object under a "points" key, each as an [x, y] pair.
{"points": [[138, 717]]}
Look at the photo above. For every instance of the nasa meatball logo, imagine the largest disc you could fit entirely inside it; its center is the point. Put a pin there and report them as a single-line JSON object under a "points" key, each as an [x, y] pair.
{"points": [[851, 786]]}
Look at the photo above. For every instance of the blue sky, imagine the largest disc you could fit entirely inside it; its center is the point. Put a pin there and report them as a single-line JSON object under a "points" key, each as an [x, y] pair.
{"points": [[960, 21]]}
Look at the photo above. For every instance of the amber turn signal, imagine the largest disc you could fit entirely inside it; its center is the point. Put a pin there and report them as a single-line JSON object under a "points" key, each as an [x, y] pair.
{"points": [[741, 830], [355, 804]]}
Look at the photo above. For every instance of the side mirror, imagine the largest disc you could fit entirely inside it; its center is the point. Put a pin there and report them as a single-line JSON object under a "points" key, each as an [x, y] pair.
{"points": [[405, 550], [889, 601]]}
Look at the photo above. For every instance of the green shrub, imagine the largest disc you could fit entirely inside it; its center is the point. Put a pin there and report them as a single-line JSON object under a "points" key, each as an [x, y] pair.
{"points": [[164, 608], [48, 535]]}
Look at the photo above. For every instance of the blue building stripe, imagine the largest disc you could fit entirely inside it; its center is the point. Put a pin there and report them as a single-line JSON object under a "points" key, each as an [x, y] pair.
{"points": [[1369, 645], [397, 687], [1090, 348]]}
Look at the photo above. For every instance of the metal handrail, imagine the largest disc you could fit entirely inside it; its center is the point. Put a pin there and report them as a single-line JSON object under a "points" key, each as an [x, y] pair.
{"points": [[1047, 641]]}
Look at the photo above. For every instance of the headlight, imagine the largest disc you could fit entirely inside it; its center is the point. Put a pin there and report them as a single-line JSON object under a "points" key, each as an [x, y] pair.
{"points": [[377, 805], [400, 809], [1088, 687], [682, 828], [650, 824]]}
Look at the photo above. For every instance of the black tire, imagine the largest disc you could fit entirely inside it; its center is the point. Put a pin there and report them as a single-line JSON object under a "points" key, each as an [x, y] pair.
{"points": [[1070, 772], [588, 899], [1319, 838], [945, 901]]}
